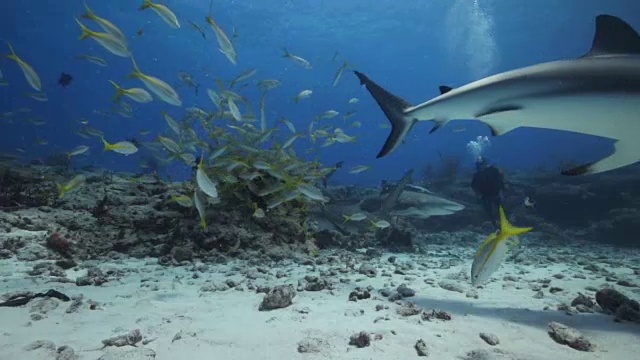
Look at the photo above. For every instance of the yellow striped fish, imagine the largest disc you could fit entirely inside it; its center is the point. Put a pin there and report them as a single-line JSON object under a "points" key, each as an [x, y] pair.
{"points": [[493, 250]]}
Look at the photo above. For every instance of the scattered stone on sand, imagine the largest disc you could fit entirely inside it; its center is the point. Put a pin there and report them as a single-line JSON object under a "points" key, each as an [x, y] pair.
{"points": [[44, 305], [359, 294], [76, 302], [405, 291], [41, 344], [584, 300], [616, 303], [451, 286], [610, 299], [626, 283], [311, 345], [628, 312], [361, 339], [279, 297], [436, 315], [368, 270], [65, 353], [409, 309], [421, 348], [472, 294], [131, 339], [489, 338], [479, 354], [555, 289], [571, 337], [314, 283]]}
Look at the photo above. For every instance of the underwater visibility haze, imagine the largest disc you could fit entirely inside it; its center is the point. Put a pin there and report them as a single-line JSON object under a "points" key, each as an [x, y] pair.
{"points": [[322, 179]]}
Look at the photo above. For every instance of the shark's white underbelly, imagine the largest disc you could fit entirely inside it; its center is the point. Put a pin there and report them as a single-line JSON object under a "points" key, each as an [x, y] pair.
{"points": [[613, 116]]}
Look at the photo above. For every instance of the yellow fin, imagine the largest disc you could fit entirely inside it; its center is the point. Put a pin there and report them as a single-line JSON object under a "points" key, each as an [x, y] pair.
{"points": [[89, 14], [507, 230], [119, 91], [13, 55], [146, 4], [107, 146], [136, 73], [86, 32], [200, 164], [61, 190]]}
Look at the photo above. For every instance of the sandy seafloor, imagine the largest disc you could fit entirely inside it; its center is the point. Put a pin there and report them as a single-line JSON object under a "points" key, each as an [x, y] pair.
{"points": [[162, 302]]}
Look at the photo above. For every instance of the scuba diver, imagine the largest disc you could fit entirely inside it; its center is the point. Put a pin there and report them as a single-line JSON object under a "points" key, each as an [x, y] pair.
{"points": [[488, 184]]}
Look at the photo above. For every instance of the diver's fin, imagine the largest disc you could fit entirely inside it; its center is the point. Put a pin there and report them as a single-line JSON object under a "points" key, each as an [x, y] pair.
{"points": [[626, 152], [444, 89], [613, 36], [393, 107]]}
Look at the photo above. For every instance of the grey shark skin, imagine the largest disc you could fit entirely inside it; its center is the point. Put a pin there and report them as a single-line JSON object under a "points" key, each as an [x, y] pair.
{"points": [[596, 94], [420, 203], [392, 199]]}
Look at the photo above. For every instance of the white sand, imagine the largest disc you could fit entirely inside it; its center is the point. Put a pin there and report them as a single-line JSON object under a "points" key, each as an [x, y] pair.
{"points": [[228, 325]]}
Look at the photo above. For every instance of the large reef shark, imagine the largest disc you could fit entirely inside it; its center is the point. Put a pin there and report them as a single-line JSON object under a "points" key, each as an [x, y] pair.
{"points": [[596, 94]]}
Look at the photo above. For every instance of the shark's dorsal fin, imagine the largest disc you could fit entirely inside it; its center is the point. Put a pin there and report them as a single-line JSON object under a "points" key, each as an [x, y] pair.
{"points": [[613, 37], [444, 89]]}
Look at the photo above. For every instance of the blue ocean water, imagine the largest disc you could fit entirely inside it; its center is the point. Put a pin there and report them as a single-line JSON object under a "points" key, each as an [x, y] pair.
{"points": [[130, 262], [409, 47]]}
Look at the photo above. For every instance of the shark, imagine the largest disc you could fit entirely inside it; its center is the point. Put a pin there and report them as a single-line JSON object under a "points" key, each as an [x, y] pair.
{"points": [[597, 94]]}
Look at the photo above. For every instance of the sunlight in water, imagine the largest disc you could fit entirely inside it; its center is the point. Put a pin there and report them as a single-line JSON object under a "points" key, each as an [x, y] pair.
{"points": [[471, 33]]}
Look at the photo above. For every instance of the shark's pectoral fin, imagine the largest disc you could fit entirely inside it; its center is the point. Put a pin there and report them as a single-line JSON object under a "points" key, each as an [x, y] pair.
{"points": [[501, 119], [437, 124], [626, 152], [500, 128], [498, 110], [613, 36]]}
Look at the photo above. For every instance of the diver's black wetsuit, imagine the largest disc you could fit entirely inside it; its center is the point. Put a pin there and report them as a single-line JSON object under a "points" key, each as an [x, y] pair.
{"points": [[488, 183]]}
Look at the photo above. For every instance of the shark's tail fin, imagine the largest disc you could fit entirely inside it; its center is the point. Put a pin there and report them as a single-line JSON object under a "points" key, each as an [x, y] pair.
{"points": [[393, 107]]}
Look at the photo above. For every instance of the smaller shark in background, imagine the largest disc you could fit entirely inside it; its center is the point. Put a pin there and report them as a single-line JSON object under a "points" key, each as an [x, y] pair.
{"points": [[596, 94], [396, 200], [409, 201]]}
